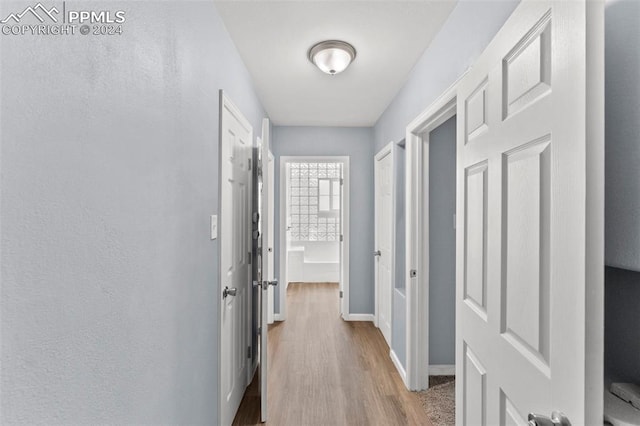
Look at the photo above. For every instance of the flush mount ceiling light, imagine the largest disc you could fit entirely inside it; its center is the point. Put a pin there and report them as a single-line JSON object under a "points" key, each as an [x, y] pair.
{"points": [[332, 56]]}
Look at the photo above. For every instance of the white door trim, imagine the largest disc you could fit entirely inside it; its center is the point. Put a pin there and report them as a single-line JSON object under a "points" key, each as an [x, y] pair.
{"points": [[417, 232], [387, 150], [282, 232], [226, 104], [271, 207]]}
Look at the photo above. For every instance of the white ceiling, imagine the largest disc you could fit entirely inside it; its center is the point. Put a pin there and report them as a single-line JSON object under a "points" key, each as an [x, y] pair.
{"points": [[273, 38]]}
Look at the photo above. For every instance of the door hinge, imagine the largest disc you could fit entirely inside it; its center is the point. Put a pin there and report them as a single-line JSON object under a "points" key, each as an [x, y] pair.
{"points": [[249, 254], [249, 163], [341, 238], [248, 351], [341, 181], [341, 294], [259, 331]]}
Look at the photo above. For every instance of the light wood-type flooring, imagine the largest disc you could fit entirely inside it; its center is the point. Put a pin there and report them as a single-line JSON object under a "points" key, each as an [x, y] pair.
{"points": [[325, 371]]}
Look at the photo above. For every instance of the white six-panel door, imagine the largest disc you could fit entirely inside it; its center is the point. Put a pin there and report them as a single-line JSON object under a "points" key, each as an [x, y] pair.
{"points": [[235, 251], [383, 239], [530, 220]]}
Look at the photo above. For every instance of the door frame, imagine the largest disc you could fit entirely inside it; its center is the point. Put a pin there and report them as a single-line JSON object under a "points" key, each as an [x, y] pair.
{"points": [[387, 150], [226, 103], [417, 234], [282, 231]]}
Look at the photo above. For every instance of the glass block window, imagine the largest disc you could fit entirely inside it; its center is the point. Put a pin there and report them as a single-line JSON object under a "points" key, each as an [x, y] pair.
{"points": [[314, 201]]}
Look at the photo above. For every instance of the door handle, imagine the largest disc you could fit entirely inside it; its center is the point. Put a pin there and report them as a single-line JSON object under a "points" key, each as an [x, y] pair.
{"points": [[265, 284], [377, 253], [557, 419], [229, 292]]}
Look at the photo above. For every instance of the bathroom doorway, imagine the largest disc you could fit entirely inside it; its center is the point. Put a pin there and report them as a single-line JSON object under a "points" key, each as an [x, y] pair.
{"points": [[313, 219]]}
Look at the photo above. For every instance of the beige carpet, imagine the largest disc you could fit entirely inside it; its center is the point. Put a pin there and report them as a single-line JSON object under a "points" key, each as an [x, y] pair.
{"points": [[439, 400]]}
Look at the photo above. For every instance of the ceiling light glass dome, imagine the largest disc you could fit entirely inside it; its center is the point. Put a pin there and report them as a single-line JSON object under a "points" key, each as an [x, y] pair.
{"points": [[332, 56]]}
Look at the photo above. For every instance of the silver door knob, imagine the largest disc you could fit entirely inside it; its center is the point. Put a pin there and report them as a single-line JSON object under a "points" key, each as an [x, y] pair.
{"points": [[229, 292], [377, 253], [273, 283], [557, 419]]}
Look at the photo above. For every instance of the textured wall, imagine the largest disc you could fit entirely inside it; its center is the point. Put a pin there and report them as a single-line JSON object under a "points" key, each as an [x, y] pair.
{"points": [[442, 244], [357, 144], [109, 305], [622, 196], [465, 34], [622, 134]]}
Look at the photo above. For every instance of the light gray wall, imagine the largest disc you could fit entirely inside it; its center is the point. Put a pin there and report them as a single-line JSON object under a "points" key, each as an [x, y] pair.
{"points": [[622, 326], [109, 305], [468, 30], [622, 134], [442, 244], [356, 143], [622, 191], [399, 328]]}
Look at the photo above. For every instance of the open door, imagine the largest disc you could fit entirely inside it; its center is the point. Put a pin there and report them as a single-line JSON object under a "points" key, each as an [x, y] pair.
{"points": [[236, 144], [530, 210], [264, 263]]}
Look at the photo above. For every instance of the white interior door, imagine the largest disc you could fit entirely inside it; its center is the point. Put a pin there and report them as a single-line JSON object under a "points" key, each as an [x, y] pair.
{"points": [[383, 237], [264, 267], [270, 236], [530, 220], [235, 249]]}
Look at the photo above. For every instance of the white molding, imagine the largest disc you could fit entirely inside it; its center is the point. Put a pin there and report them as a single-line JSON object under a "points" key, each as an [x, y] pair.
{"points": [[442, 370], [417, 232], [358, 317], [271, 207], [398, 365], [283, 282], [282, 231]]}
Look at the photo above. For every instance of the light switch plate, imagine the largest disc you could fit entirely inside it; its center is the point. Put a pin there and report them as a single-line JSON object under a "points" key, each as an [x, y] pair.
{"points": [[214, 226]]}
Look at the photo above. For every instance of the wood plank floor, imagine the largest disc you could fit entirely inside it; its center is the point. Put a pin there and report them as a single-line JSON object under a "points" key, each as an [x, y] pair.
{"points": [[325, 371]]}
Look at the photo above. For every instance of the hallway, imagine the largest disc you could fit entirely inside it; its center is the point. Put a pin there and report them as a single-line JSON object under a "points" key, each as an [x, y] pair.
{"points": [[325, 371]]}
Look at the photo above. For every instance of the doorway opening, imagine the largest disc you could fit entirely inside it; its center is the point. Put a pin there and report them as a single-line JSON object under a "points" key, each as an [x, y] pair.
{"points": [[430, 255], [313, 226], [430, 242], [441, 210], [440, 251]]}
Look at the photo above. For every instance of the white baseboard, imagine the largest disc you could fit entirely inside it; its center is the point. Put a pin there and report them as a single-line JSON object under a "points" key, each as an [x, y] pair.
{"points": [[277, 317], [358, 317], [399, 367], [442, 370]]}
